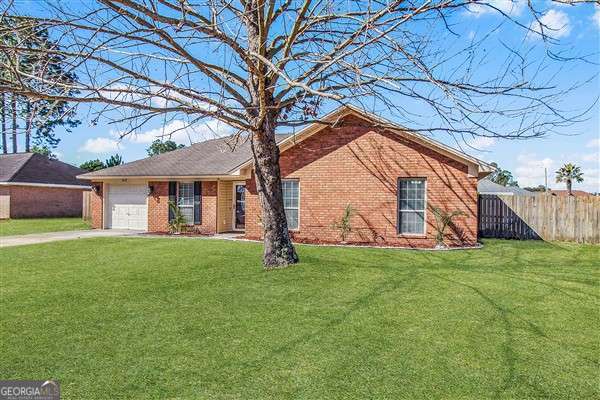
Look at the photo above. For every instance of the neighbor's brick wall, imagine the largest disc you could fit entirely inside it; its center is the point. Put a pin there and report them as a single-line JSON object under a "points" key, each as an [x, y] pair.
{"points": [[158, 208], [97, 206], [354, 165], [34, 202]]}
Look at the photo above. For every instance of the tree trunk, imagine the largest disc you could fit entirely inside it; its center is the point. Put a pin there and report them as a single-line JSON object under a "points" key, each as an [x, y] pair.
{"points": [[13, 104], [28, 133], [3, 122], [569, 187], [278, 249]]}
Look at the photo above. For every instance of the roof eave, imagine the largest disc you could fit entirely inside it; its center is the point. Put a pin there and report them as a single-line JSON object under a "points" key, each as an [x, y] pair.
{"points": [[161, 177]]}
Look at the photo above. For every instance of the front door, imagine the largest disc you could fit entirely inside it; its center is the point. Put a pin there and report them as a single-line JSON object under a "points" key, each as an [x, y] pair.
{"points": [[240, 206]]}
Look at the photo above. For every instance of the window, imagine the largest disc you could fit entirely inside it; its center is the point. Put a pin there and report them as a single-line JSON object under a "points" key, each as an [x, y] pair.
{"points": [[291, 199], [411, 206], [185, 201]]}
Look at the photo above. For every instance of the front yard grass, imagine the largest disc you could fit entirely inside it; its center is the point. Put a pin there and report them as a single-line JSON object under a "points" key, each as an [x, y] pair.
{"points": [[12, 227], [141, 318]]}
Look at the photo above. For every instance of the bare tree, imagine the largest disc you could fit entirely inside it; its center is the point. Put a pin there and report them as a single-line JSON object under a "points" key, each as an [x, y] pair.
{"points": [[258, 65]]}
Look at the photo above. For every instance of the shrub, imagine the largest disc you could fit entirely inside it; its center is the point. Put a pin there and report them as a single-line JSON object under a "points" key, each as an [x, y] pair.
{"points": [[178, 223], [343, 225], [442, 220]]}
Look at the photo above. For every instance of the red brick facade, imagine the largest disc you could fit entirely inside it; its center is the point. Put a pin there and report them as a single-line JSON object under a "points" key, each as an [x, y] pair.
{"points": [[351, 165], [356, 166], [209, 208], [158, 207], [40, 202]]}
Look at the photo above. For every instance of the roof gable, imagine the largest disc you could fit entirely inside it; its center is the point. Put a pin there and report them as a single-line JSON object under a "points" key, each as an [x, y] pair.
{"points": [[476, 167]]}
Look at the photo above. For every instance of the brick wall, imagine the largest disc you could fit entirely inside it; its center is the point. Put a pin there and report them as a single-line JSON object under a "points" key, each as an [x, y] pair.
{"points": [[158, 208], [354, 165], [97, 206], [32, 202], [209, 208]]}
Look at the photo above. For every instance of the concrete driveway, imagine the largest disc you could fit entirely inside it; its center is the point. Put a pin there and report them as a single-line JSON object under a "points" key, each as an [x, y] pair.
{"points": [[34, 238]]}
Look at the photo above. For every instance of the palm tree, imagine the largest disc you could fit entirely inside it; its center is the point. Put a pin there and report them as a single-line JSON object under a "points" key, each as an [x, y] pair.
{"points": [[569, 173]]}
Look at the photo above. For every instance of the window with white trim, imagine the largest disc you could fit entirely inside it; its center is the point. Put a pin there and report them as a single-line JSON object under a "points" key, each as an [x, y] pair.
{"points": [[185, 201], [291, 202], [411, 206]]}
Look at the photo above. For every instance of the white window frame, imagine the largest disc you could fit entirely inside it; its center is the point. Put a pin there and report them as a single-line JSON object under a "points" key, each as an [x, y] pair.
{"points": [[298, 207], [186, 206], [399, 211]]}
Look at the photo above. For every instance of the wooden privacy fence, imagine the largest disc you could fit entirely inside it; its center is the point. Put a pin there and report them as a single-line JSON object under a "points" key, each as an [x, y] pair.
{"points": [[498, 220], [568, 218], [86, 209]]}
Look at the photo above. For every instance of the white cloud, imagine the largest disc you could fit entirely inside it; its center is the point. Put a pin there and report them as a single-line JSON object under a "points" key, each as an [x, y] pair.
{"points": [[481, 142], [591, 157], [591, 178], [554, 24], [593, 143], [100, 145], [180, 131], [509, 7], [530, 172], [596, 16], [595, 156]]}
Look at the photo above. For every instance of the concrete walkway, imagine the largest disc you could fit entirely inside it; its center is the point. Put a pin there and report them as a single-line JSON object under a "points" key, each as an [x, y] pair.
{"points": [[34, 238]]}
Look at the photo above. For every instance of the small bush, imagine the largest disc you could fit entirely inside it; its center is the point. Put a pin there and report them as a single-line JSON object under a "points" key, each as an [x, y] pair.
{"points": [[343, 225], [178, 223]]}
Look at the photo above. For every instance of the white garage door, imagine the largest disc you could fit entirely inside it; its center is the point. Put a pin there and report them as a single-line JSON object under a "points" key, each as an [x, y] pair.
{"points": [[127, 207]]}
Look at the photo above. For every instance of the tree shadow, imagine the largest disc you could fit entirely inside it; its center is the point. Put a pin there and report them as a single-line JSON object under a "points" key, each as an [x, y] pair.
{"points": [[360, 303], [508, 327]]}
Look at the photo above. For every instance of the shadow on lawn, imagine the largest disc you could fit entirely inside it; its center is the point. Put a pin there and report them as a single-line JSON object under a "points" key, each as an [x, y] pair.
{"points": [[508, 346], [362, 302], [504, 313]]}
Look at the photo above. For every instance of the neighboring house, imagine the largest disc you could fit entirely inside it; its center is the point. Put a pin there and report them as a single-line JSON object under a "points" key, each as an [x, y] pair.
{"points": [[390, 176], [31, 185], [485, 186], [576, 193]]}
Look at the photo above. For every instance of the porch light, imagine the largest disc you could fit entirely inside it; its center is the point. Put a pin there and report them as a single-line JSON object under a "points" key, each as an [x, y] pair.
{"points": [[96, 188], [150, 190]]}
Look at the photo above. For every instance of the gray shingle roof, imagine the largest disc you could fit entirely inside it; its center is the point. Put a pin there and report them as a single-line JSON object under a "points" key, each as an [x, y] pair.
{"points": [[10, 164], [211, 157], [485, 186], [36, 168]]}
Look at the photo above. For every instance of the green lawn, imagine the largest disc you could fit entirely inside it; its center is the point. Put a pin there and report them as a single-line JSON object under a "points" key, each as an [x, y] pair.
{"points": [[40, 225], [198, 319]]}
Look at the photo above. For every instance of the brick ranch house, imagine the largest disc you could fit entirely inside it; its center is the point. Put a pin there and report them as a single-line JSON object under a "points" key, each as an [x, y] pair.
{"points": [[390, 176], [32, 185]]}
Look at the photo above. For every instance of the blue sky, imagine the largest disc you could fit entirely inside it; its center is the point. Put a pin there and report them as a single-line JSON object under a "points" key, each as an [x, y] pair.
{"points": [[577, 28]]}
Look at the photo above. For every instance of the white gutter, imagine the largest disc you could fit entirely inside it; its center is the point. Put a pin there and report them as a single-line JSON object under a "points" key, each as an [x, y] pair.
{"points": [[48, 185], [100, 178]]}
